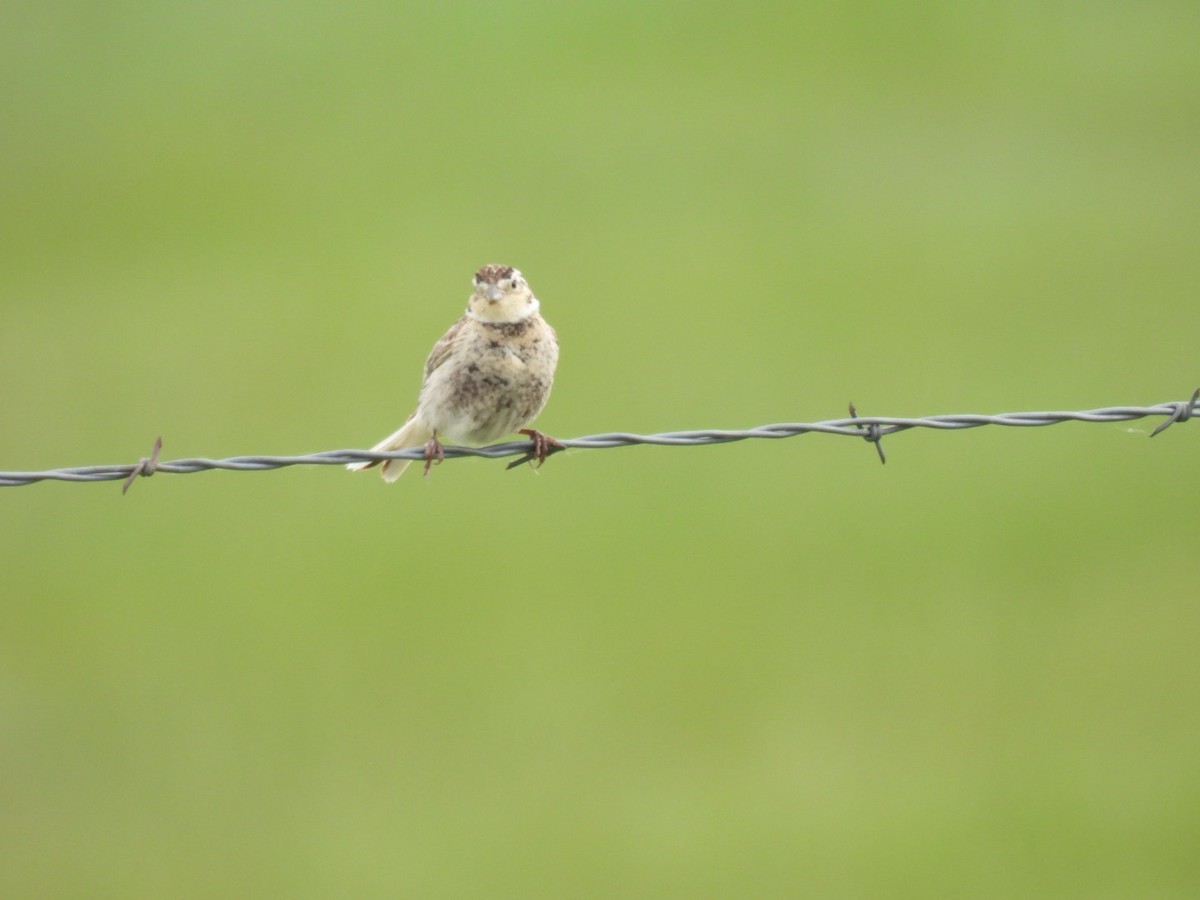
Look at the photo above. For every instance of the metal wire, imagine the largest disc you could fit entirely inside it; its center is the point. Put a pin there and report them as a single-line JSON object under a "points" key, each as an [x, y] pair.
{"points": [[869, 428]]}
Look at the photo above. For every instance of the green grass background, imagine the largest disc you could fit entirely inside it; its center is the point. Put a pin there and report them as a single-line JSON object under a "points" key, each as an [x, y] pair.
{"points": [[770, 669]]}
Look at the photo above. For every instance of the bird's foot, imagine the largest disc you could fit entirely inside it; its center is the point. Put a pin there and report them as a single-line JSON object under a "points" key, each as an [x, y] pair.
{"points": [[543, 446], [433, 453]]}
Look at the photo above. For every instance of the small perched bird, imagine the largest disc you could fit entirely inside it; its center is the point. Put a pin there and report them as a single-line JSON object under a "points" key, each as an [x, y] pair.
{"points": [[489, 375]]}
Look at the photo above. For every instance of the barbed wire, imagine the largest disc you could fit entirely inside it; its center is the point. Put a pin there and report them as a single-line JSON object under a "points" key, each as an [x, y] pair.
{"points": [[870, 428]]}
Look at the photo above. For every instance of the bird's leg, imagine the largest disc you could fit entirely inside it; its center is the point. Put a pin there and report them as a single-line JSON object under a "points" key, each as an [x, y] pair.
{"points": [[543, 444], [433, 451]]}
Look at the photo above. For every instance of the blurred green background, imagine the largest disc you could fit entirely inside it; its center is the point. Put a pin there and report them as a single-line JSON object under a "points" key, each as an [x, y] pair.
{"points": [[769, 669]]}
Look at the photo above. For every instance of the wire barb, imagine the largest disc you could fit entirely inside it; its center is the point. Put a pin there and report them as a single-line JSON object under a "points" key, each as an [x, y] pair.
{"points": [[1183, 412], [872, 434], [145, 467], [870, 428]]}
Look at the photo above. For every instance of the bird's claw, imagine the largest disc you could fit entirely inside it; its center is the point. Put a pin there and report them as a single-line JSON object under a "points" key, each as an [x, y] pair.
{"points": [[543, 446], [433, 453]]}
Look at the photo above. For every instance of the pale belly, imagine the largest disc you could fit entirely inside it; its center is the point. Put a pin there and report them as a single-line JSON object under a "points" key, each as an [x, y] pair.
{"points": [[482, 401]]}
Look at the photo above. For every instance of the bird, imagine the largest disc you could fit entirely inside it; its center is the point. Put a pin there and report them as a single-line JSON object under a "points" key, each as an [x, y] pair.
{"points": [[489, 375]]}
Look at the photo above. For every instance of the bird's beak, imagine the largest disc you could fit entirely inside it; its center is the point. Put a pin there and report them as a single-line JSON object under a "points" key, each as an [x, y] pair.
{"points": [[494, 293]]}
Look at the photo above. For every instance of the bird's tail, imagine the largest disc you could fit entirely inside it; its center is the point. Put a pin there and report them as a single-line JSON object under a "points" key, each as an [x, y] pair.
{"points": [[413, 434]]}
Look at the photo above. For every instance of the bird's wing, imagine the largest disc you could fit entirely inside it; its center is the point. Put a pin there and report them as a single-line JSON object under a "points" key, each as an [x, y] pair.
{"points": [[441, 350]]}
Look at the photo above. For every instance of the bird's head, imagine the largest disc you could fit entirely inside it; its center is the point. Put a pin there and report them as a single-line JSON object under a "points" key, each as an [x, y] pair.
{"points": [[501, 295]]}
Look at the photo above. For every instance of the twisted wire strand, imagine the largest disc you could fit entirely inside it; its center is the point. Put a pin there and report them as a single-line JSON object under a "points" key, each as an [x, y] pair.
{"points": [[870, 428]]}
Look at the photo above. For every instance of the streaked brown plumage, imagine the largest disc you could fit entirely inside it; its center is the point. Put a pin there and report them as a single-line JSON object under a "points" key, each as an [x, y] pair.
{"points": [[488, 376]]}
